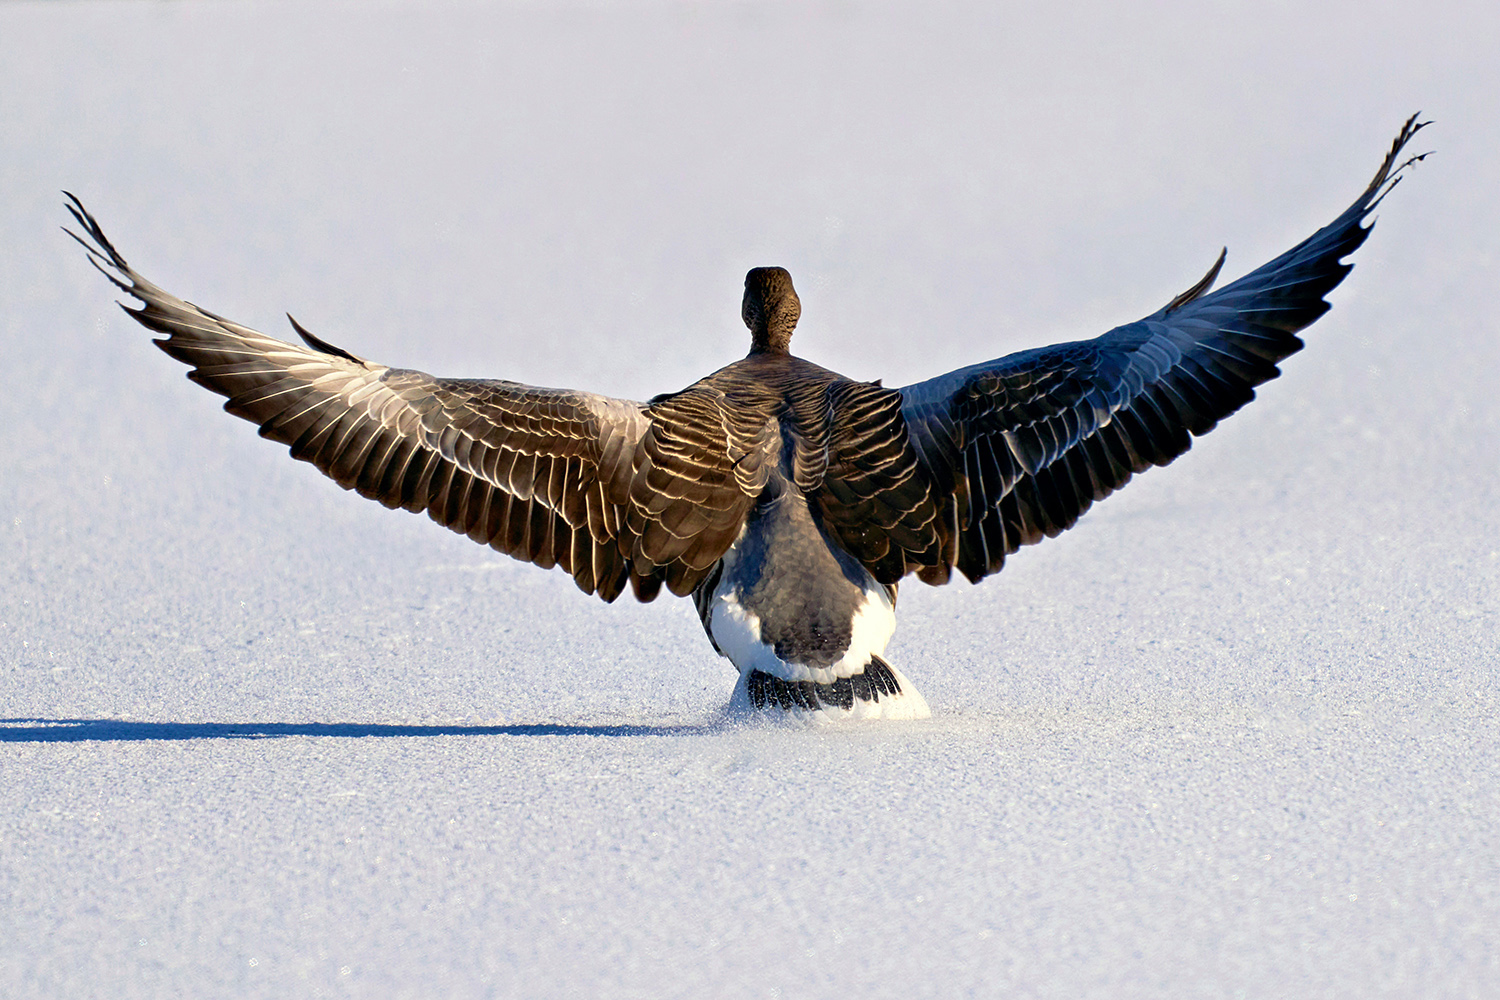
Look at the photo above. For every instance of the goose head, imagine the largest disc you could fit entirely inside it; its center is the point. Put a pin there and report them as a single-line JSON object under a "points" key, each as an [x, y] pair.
{"points": [[770, 309]]}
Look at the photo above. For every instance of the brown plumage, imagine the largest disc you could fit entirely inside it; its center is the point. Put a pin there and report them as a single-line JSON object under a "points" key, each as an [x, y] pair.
{"points": [[955, 472]]}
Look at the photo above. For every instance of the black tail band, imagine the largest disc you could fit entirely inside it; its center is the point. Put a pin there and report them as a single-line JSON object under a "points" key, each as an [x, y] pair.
{"points": [[769, 691]]}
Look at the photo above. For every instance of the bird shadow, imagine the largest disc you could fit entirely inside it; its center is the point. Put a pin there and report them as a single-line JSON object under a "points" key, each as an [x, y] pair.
{"points": [[125, 731]]}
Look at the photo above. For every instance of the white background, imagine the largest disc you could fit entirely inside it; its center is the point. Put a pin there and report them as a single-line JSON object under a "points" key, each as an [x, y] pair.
{"points": [[1232, 736]]}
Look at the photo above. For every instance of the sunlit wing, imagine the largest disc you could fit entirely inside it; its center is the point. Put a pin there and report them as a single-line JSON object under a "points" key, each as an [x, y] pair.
{"points": [[607, 489]]}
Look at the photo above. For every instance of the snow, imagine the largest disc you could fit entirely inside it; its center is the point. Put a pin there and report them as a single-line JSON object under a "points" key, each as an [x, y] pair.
{"points": [[1233, 735]]}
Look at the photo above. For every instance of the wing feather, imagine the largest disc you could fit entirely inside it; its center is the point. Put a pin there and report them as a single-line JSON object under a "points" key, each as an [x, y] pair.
{"points": [[1024, 445], [608, 489]]}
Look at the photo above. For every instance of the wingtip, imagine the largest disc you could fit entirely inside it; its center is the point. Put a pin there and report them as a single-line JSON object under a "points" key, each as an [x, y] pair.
{"points": [[1392, 168], [101, 249]]}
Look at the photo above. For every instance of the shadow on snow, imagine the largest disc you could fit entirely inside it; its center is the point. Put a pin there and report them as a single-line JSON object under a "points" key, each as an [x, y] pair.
{"points": [[119, 730]]}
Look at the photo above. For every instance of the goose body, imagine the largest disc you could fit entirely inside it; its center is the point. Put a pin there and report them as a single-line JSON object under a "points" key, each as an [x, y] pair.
{"points": [[802, 618], [787, 500]]}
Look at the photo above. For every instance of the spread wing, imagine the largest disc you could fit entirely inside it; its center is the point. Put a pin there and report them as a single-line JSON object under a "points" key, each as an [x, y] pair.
{"points": [[1018, 448], [608, 489]]}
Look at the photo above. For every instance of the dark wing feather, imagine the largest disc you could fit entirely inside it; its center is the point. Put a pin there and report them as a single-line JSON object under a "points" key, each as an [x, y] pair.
{"points": [[1017, 449], [609, 490], [871, 491]]}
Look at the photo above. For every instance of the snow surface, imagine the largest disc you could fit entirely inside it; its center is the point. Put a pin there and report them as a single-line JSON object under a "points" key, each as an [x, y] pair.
{"points": [[1233, 736]]}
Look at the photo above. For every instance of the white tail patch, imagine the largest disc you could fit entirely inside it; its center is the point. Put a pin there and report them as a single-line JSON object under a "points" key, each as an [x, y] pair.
{"points": [[736, 631]]}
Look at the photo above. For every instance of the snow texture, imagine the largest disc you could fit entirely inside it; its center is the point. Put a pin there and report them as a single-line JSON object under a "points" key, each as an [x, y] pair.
{"points": [[1232, 736]]}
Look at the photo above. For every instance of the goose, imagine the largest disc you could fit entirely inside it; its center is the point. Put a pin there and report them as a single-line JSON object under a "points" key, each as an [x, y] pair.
{"points": [[787, 500]]}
